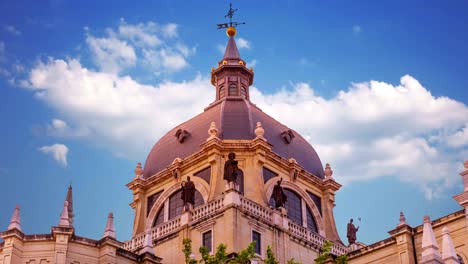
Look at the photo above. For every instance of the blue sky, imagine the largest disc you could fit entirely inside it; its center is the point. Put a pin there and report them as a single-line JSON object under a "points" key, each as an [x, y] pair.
{"points": [[88, 87]]}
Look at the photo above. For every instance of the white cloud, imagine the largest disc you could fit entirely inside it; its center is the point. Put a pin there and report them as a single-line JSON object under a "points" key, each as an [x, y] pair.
{"points": [[243, 43], [375, 129], [111, 54], [157, 45], [58, 151], [357, 29], [459, 138], [252, 63], [116, 112], [12, 30]]}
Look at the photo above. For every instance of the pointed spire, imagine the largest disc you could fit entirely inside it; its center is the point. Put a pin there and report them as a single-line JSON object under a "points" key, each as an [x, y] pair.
{"points": [[69, 199], [231, 53], [148, 244], [15, 221], [110, 229], [449, 255], [430, 249], [64, 220]]}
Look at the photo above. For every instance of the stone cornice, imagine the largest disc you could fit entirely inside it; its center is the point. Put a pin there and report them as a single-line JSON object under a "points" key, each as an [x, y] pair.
{"points": [[370, 248], [462, 198]]}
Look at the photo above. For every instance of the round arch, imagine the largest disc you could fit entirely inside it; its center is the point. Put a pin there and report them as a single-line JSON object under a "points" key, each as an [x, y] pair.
{"points": [[200, 186], [290, 185]]}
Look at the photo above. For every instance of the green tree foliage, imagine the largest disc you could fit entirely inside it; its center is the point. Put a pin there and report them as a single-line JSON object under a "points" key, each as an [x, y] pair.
{"points": [[292, 261], [270, 258], [187, 250], [246, 255], [220, 257], [324, 252]]}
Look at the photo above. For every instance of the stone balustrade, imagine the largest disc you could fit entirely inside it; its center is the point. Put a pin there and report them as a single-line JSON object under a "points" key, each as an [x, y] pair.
{"points": [[256, 210], [208, 209], [248, 207]]}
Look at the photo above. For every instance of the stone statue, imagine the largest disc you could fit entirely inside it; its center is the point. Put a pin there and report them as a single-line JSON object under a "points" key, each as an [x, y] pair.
{"points": [[278, 195], [351, 234], [188, 192], [230, 168]]}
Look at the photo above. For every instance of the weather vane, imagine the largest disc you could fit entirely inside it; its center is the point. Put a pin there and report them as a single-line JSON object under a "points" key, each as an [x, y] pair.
{"points": [[231, 24]]}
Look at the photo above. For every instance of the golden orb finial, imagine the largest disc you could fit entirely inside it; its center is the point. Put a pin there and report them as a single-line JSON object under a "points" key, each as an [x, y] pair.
{"points": [[231, 31]]}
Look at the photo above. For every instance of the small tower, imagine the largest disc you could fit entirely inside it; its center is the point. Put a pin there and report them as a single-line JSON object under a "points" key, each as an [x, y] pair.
{"points": [[69, 199], [231, 78], [64, 219], [15, 221], [430, 249], [110, 229]]}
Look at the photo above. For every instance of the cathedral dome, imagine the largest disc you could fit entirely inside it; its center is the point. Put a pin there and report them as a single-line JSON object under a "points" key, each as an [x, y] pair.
{"points": [[235, 117]]}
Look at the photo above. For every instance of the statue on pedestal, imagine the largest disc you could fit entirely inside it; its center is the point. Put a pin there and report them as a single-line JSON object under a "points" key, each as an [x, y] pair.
{"points": [[351, 234], [230, 168], [278, 195], [188, 193]]}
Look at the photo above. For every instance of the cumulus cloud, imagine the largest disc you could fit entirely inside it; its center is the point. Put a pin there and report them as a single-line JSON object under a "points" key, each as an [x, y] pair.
{"points": [[117, 112], [12, 30], [157, 46], [357, 29], [57, 151], [375, 129], [111, 54], [243, 43]]}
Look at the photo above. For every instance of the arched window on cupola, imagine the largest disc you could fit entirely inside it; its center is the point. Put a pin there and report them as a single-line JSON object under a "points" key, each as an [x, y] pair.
{"points": [[294, 207], [175, 207], [232, 89]]}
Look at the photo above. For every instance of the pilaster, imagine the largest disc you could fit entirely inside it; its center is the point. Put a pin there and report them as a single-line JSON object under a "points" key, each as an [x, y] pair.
{"points": [[403, 235], [13, 246], [62, 237]]}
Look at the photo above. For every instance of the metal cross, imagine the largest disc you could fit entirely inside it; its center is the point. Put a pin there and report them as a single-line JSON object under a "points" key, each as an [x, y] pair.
{"points": [[230, 14]]}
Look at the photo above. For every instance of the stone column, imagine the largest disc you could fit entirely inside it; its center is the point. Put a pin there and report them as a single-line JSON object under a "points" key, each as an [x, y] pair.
{"points": [[328, 203]]}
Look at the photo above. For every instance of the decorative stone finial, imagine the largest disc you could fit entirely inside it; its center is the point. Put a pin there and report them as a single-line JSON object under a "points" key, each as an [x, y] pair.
{"points": [[259, 131], [449, 255], [402, 219], [292, 160], [110, 229], [177, 160], [148, 244], [430, 249], [15, 221], [212, 131], [138, 170], [328, 171], [64, 220]]}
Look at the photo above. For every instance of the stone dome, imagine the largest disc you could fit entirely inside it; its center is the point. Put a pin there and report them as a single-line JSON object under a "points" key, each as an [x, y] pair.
{"points": [[235, 118]]}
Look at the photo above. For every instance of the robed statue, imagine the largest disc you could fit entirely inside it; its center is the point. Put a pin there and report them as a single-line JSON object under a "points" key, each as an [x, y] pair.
{"points": [[278, 195], [188, 192], [351, 234], [230, 168]]}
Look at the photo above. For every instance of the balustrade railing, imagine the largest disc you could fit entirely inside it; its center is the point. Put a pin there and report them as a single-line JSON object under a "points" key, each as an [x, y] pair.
{"points": [[249, 207], [207, 209], [256, 209]]}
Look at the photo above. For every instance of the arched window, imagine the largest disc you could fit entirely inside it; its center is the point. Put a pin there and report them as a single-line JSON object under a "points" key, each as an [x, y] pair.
{"points": [[295, 213], [232, 89], [176, 206]]}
